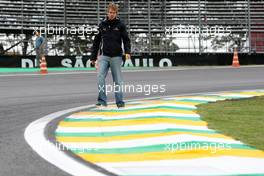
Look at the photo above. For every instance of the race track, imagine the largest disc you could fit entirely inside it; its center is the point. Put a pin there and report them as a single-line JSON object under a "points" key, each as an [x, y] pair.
{"points": [[27, 97]]}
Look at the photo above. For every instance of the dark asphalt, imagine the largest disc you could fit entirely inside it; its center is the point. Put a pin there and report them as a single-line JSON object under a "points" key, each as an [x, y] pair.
{"points": [[27, 98]]}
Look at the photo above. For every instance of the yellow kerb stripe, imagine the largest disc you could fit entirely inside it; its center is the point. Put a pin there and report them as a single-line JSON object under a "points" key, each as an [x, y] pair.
{"points": [[134, 136], [132, 122]]}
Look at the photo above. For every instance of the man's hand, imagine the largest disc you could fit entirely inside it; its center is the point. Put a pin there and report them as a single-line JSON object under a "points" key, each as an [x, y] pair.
{"points": [[128, 56], [96, 65], [93, 62]]}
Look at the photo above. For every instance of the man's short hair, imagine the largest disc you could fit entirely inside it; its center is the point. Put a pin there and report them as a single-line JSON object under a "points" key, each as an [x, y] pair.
{"points": [[36, 31], [112, 6]]}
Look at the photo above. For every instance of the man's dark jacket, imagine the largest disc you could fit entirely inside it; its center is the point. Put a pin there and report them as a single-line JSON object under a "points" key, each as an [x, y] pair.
{"points": [[109, 39]]}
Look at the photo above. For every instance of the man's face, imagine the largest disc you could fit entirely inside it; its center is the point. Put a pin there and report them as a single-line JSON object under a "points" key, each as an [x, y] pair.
{"points": [[111, 14], [36, 33]]}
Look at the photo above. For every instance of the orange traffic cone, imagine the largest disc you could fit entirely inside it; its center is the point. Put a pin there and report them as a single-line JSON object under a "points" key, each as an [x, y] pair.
{"points": [[235, 59], [43, 67]]}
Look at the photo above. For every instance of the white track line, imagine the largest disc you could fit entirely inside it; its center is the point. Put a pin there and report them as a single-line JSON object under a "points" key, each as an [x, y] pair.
{"points": [[35, 137], [126, 116], [155, 126]]}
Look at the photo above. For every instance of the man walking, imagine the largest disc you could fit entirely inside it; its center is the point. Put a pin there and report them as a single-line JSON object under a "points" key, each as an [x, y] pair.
{"points": [[112, 32]]}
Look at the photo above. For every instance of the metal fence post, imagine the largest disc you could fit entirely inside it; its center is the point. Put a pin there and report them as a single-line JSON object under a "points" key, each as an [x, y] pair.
{"points": [[149, 25], [200, 28], [65, 29], [45, 17], [98, 12], [249, 28]]}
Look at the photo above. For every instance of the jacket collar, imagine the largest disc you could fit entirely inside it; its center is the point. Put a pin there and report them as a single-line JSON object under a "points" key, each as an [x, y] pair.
{"points": [[117, 19]]}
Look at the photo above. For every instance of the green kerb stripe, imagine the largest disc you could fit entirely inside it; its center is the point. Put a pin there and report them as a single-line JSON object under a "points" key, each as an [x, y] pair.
{"points": [[147, 108], [194, 101], [132, 118], [125, 133], [190, 146]]}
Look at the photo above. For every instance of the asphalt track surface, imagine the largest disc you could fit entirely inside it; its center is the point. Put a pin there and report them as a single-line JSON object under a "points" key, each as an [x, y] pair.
{"points": [[26, 97]]}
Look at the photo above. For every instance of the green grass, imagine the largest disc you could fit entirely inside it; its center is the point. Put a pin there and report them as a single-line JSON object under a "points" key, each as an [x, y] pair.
{"points": [[32, 70], [241, 119], [28, 70]]}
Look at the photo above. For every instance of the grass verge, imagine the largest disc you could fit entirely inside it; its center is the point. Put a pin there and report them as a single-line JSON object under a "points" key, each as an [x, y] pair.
{"points": [[241, 119]]}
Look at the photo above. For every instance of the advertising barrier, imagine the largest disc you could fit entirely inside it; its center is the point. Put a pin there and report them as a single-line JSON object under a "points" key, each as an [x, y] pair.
{"points": [[144, 60]]}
